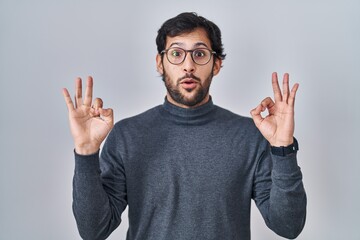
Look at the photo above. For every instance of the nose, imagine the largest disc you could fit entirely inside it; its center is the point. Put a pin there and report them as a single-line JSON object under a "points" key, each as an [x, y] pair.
{"points": [[188, 65]]}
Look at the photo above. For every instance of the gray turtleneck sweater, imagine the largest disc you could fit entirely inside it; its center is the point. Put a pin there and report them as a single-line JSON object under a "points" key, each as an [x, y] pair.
{"points": [[187, 174]]}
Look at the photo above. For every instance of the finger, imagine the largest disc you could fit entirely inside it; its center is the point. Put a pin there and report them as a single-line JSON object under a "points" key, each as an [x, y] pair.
{"points": [[256, 115], [94, 113], [68, 101], [88, 91], [98, 103], [78, 92], [267, 103], [294, 89], [286, 89], [276, 88]]}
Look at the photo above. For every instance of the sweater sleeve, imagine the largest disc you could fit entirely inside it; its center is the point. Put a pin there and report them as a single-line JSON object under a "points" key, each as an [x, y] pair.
{"points": [[279, 193], [99, 191]]}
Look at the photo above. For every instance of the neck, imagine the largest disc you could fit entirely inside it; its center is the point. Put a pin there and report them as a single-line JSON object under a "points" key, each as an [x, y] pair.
{"points": [[188, 116], [172, 101]]}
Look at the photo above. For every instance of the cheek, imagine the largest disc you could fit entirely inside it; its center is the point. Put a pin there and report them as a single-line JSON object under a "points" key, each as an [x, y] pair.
{"points": [[172, 71], [206, 72]]}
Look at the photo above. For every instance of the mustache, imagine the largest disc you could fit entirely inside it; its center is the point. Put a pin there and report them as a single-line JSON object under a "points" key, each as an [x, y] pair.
{"points": [[189, 75]]}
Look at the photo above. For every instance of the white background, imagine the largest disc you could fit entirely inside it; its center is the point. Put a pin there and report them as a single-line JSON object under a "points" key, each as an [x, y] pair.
{"points": [[45, 45]]}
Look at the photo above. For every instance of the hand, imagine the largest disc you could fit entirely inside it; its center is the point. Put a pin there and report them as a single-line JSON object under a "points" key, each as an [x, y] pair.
{"points": [[278, 126], [89, 125]]}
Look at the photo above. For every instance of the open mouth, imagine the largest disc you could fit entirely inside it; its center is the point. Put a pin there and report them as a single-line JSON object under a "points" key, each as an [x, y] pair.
{"points": [[188, 83]]}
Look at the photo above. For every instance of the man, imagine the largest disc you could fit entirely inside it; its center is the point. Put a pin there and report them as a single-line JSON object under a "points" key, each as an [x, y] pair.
{"points": [[187, 169]]}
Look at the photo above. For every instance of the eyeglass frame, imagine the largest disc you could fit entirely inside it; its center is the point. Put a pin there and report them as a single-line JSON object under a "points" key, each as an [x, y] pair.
{"points": [[186, 53]]}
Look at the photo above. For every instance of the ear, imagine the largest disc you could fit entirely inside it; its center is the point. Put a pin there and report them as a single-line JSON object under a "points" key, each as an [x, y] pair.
{"points": [[217, 66], [159, 65]]}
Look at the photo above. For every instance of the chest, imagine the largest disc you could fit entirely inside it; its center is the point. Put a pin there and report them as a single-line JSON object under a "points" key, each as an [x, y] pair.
{"points": [[190, 165]]}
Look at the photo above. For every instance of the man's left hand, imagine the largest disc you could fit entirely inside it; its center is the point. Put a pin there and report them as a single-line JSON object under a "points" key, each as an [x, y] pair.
{"points": [[278, 126]]}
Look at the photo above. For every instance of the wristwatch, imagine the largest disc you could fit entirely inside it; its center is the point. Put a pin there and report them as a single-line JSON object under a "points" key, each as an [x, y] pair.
{"points": [[283, 151]]}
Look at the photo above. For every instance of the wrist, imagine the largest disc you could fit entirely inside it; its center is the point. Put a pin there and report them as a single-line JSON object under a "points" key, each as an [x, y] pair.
{"points": [[282, 143], [286, 149], [85, 149]]}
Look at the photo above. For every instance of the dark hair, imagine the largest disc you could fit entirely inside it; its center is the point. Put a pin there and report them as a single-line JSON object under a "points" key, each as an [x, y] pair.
{"points": [[185, 23]]}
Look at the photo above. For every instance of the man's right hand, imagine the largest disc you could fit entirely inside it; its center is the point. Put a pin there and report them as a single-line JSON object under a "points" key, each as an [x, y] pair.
{"points": [[89, 124]]}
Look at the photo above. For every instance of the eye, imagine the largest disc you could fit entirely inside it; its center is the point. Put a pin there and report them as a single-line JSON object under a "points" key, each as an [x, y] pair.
{"points": [[200, 53], [176, 53]]}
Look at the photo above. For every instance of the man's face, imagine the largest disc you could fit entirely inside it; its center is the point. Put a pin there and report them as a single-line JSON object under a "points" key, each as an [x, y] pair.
{"points": [[188, 83]]}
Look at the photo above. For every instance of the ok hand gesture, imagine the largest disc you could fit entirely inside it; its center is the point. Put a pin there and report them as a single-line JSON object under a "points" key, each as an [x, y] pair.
{"points": [[278, 126], [89, 125]]}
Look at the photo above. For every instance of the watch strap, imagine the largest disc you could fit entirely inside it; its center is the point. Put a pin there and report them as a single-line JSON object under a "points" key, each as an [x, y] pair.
{"points": [[285, 150]]}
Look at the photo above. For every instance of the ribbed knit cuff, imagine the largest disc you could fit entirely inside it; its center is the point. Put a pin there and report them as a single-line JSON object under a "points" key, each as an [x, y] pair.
{"points": [[286, 164], [87, 163]]}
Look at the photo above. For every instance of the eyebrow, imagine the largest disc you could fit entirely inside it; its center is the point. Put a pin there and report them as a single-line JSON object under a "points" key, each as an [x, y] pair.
{"points": [[198, 44]]}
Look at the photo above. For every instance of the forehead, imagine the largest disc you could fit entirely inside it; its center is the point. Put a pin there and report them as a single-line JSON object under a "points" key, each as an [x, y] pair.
{"points": [[196, 38]]}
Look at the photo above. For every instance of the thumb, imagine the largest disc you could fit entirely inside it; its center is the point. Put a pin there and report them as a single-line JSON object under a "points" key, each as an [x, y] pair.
{"points": [[107, 115]]}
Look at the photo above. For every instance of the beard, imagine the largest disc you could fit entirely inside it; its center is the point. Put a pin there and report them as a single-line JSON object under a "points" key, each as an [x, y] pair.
{"points": [[200, 92]]}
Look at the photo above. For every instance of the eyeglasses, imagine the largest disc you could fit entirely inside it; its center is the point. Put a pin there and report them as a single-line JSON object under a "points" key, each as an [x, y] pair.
{"points": [[176, 56]]}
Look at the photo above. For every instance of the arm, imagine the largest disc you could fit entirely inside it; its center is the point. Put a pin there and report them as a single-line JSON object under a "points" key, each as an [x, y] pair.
{"points": [[97, 206], [278, 188], [99, 191], [279, 193]]}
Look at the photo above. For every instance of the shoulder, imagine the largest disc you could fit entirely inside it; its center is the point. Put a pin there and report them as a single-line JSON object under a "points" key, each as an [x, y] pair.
{"points": [[242, 126], [230, 117], [140, 120]]}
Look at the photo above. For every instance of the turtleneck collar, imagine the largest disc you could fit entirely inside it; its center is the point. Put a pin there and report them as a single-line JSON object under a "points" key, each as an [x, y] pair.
{"points": [[194, 115]]}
